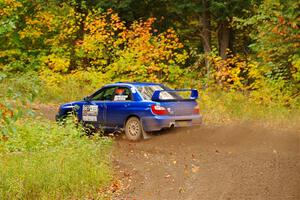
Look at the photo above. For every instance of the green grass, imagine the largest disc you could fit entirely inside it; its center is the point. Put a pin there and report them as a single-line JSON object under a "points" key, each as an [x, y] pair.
{"points": [[267, 105], [219, 107], [42, 160], [62, 89]]}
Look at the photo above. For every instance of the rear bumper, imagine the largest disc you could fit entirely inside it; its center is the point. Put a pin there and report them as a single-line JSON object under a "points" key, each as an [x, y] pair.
{"points": [[156, 123]]}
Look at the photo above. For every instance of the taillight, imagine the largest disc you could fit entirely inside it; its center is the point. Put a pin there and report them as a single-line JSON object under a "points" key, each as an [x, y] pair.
{"points": [[159, 110], [196, 110]]}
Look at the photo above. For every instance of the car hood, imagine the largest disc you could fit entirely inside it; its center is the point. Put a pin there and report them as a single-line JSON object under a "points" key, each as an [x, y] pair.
{"points": [[70, 104]]}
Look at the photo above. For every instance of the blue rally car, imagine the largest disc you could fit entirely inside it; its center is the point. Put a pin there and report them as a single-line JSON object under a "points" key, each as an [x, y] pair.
{"points": [[136, 108]]}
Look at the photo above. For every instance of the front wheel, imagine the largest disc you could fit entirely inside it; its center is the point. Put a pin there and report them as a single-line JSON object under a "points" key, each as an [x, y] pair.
{"points": [[133, 129]]}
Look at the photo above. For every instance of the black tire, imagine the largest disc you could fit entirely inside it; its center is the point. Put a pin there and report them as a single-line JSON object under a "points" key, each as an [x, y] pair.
{"points": [[134, 129]]}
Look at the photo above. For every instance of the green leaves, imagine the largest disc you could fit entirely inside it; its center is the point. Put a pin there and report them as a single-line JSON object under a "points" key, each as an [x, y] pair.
{"points": [[275, 38]]}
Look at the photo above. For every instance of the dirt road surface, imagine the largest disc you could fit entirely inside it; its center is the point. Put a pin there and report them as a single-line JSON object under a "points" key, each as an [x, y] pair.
{"points": [[241, 162], [211, 163]]}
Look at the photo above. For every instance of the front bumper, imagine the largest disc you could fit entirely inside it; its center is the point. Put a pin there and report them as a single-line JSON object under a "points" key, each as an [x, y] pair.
{"points": [[156, 123], [58, 117]]}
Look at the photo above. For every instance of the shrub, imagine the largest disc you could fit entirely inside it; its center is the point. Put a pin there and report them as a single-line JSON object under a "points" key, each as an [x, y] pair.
{"points": [[220, 107], [41, 160], [69, 87]]}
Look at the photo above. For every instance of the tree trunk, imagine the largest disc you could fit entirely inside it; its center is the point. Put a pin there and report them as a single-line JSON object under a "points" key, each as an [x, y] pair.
{"points": [[206, 27], [206, 33], [223, 38], [80, 22]]}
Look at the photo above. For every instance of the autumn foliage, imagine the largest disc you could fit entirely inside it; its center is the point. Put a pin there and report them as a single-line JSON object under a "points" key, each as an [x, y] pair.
{"points": [[88, 47], [5, 113], [134, 53], [57, 41]]}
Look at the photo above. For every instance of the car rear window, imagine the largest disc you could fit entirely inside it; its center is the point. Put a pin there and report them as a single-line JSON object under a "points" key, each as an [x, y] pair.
{"points": [[147, 92]]}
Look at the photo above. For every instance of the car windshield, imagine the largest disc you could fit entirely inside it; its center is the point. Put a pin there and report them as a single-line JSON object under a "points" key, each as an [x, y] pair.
{"points": [[148, 90]]}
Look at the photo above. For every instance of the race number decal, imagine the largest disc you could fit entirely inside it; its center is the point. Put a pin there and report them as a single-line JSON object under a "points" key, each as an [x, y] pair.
{"points": [[120, 97], [89, 113]]}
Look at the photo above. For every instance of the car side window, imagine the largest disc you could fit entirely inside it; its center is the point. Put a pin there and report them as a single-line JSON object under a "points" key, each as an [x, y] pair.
{"points": [[105, 94], [122, 94]]}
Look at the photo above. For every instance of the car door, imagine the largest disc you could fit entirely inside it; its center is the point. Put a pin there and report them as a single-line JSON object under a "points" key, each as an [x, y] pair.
{"points": [[118, 109], [93, 110]]}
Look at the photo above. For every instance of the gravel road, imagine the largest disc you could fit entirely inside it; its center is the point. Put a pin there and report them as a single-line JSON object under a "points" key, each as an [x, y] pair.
{"points": [[240, 161], [230, 162]]}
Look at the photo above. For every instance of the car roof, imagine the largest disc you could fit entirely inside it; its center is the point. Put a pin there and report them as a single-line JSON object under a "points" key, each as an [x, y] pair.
{"points": [[137, 83]]}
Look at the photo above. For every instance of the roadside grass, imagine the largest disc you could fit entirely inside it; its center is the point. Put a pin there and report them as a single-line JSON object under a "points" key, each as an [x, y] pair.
{"points": [[69, 90], [63, 88], [42, 160], [59, 88], [219, 107]]}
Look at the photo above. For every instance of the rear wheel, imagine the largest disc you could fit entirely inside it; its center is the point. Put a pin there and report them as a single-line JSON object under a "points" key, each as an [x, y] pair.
{"points": [[133, 129]]}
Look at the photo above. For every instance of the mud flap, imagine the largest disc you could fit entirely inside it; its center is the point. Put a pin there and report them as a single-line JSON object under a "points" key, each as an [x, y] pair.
{"points": [[146, 136]]}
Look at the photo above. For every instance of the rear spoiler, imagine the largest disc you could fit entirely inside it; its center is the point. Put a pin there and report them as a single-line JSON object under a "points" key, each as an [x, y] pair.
{"points": [[156, 94]]}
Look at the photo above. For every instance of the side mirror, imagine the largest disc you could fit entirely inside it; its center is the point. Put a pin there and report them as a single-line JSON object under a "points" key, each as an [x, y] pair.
{"points": [[194, 94], [87, 98]]}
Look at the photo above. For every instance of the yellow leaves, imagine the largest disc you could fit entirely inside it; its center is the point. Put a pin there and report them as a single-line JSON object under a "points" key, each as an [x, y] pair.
{"points": [[87, 80], [106, 24], [181, 58], [9, 52], [56, 63], [41, 19], [137, 53], [41, 24], [296, 67], [137, 50], [235, 72], [9, 6], [31, 33]]}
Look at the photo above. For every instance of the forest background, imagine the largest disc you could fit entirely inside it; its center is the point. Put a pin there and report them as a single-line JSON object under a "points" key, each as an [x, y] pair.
{"points": [[242, 55], [69, 49]]}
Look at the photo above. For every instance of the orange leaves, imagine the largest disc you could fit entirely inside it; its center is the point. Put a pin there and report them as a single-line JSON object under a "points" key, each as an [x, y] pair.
{"points": [[235, 72], [135, 52], [5, 112], [8, 7], [104, 24], [287, 29], [154, 50], [56, 63], [281, 20], [103, 31], [101, 41]]}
